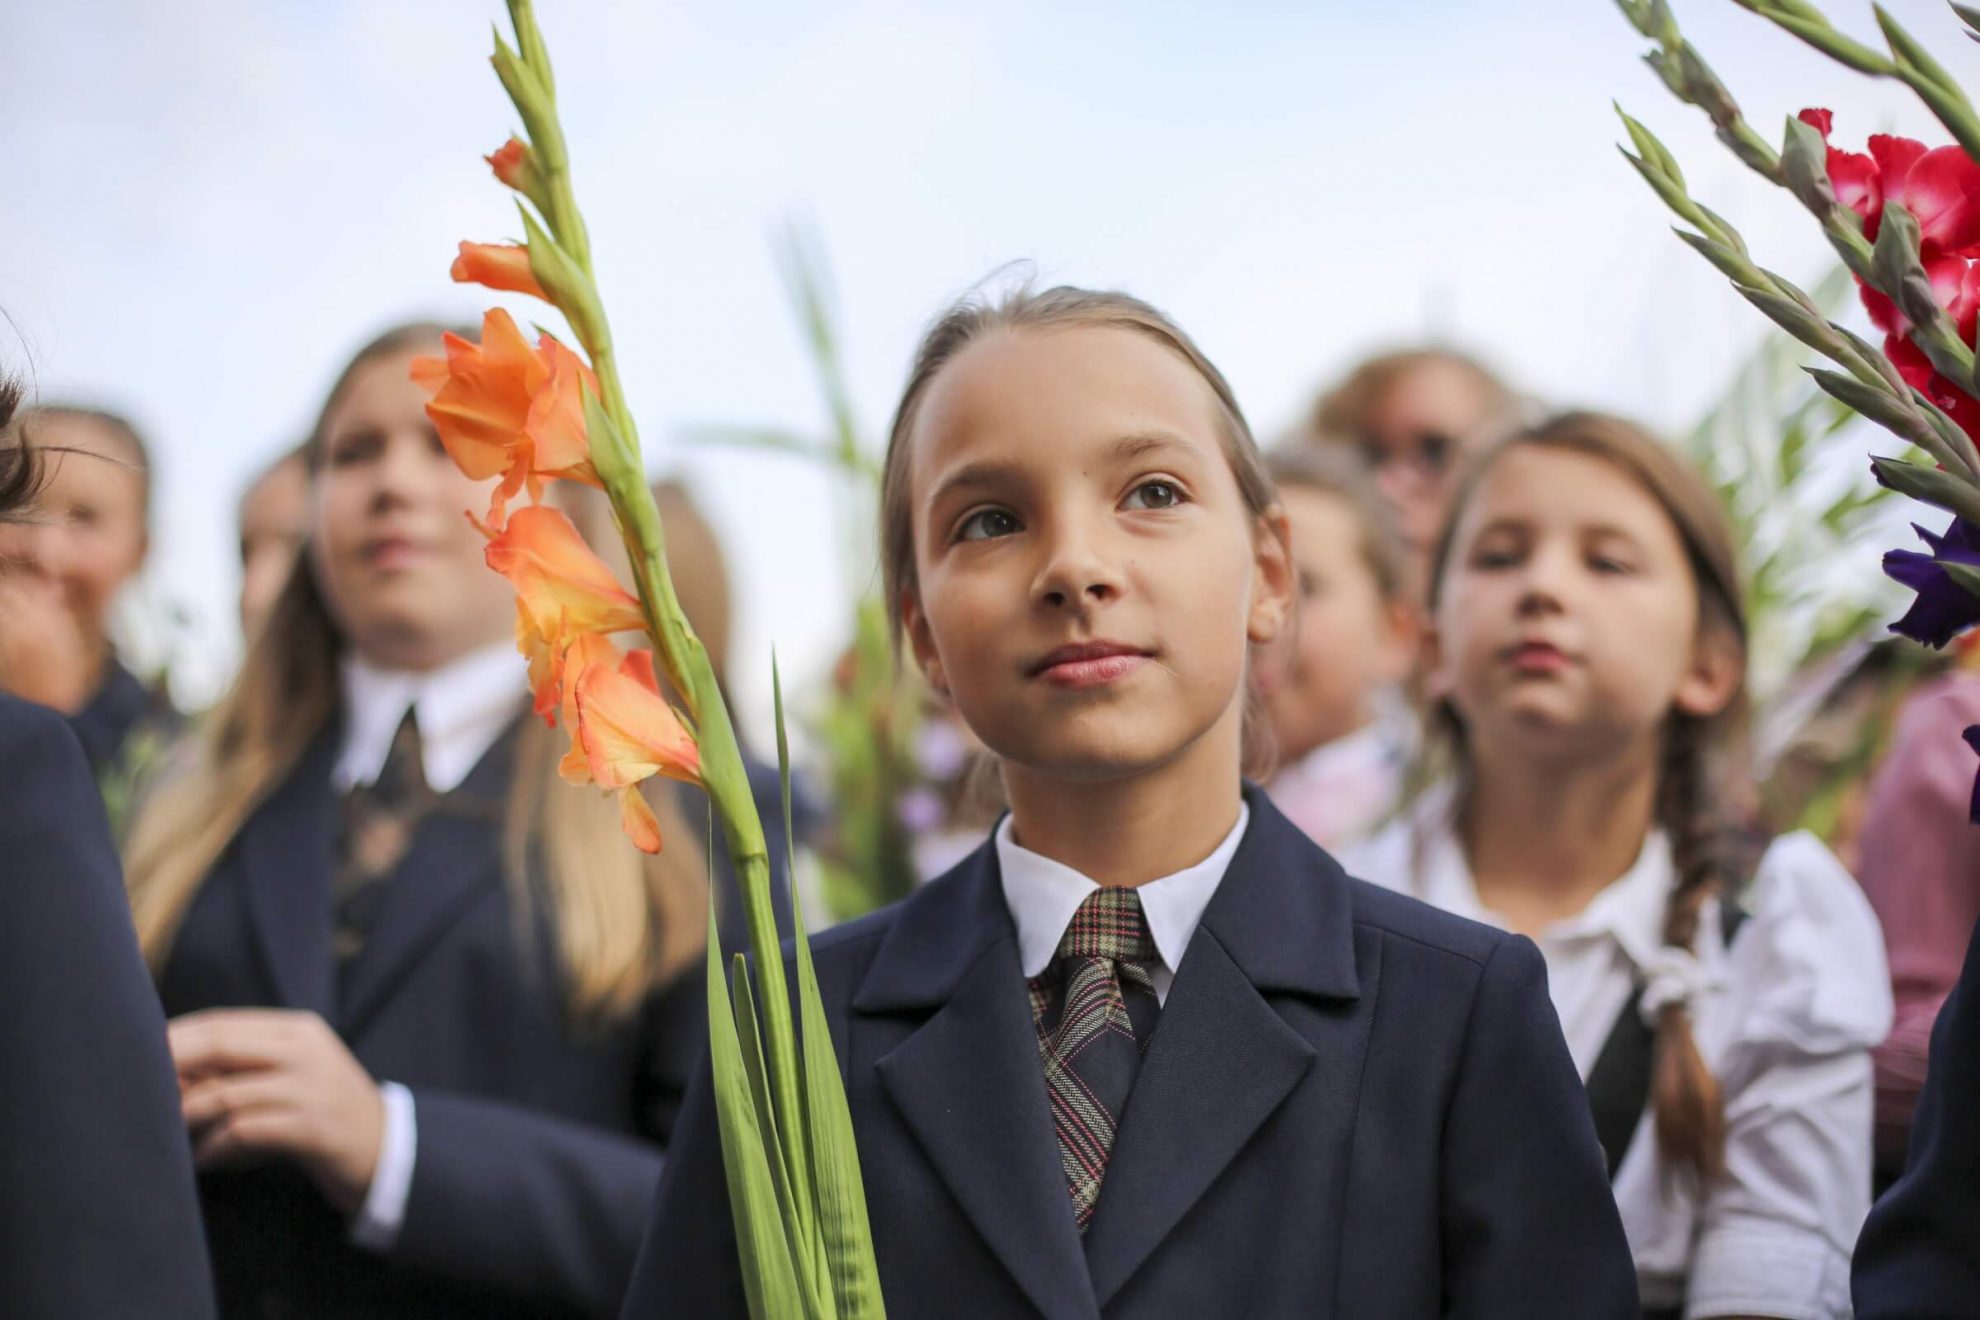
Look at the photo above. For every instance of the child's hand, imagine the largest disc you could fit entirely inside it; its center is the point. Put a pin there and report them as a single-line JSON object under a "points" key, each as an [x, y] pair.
{"points": [[43, 657], [257, 1082]]}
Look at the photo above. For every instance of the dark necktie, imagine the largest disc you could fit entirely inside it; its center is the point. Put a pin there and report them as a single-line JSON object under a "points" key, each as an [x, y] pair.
{"points": [[1087, 1004], [380, 819]]}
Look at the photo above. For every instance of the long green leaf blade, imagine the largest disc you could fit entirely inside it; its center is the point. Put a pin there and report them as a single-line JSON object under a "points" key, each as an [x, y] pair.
{"points": [[770, 1280], [855, 1273]]}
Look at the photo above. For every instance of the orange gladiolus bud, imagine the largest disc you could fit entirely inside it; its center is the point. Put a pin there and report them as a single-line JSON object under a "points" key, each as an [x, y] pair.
{"points": [[508, 162], [623, 732], [505, 409], [503, 266]]}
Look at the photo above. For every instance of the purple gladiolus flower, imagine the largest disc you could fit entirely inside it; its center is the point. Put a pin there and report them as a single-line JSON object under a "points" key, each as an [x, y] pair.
{"points": [[1943, 609]]}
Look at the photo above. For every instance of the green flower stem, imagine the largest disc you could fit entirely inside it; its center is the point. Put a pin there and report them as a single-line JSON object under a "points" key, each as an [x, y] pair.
{"points": [[1683, 70], [1908, 61], [565, 257]]}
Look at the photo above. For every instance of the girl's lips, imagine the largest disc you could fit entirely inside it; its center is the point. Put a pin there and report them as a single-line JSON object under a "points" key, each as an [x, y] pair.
{"points": [[1537, 658], [1092, 672], [392, 552]]}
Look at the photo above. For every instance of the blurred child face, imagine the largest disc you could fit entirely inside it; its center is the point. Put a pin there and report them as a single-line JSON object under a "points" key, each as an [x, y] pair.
{"points": [[88, 536], [1350, 643], [1568, 620], [274, 517], [401, 567], [1088, 576], [1419, 433]]}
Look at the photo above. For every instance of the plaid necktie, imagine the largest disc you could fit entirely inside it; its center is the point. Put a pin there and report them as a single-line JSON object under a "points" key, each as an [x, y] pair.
{"points": [[380, 819], [1086, 1032]]}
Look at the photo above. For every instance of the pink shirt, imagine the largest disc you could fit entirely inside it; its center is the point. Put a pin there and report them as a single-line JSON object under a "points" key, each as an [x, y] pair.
{"points": [[1920, 868]]}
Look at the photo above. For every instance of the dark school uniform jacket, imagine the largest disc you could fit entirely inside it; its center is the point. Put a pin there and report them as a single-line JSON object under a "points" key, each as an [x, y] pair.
{"points": [[1919, 1254], [539, 1141], [1351, 1105], [98, 1215]]}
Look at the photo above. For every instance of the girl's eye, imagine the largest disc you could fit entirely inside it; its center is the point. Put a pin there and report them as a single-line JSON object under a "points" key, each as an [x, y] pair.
{"points": [[1608, 564], [986, 524], [1155, 495], [1489, 557]]}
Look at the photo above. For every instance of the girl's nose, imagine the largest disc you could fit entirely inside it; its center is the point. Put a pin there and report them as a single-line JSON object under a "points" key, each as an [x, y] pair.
{"points": [[1077, 574]]}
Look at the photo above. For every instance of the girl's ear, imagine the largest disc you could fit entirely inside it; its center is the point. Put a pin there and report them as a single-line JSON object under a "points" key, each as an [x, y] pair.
{"points": [[1718, 667], [1272, 578], [922, 642]]}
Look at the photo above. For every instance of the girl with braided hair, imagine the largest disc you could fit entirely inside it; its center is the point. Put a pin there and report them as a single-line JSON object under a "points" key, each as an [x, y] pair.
{"points": [[1586, 668]]}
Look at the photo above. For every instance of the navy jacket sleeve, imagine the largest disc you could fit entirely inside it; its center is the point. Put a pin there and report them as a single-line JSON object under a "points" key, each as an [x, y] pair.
{"points": [[538, 1205], [1920, 1249], [1529, 1224], [98, 1212]]}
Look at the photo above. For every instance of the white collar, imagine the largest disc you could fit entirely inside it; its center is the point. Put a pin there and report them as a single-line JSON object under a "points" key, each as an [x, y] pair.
{"points": [[1043, 895], [462, 706], [1629, 909]]}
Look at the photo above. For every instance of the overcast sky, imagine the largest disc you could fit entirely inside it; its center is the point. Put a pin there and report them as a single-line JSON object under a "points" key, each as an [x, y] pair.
{"points": [[209, 204]]}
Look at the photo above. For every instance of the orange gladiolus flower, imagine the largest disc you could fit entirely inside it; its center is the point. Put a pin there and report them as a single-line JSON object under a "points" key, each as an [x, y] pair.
{"points": [[623, 732], [503, 266], [562, 590], [505, 409]]}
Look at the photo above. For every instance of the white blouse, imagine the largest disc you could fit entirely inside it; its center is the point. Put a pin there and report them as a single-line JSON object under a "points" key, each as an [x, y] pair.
{"points": [[1785, 1019]]}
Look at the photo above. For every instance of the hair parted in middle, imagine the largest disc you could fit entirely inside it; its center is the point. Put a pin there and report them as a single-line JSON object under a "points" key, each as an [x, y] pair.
{"points": [[1024, 308], [1699, 755]]}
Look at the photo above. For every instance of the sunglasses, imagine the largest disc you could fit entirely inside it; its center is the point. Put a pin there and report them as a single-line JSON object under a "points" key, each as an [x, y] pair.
{"points": [[1429, 453]]}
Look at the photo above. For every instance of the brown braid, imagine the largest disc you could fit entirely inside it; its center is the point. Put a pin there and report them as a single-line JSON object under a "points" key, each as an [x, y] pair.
{"points": [[1687, 1108]]}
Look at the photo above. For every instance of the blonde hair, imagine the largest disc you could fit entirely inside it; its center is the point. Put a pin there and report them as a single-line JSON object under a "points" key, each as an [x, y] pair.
{"points": [[1687, 1108], [1024, 308], [623, 922]]}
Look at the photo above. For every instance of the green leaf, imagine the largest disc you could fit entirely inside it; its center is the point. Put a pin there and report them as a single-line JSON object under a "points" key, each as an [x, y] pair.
{"points": [[855, 1273], [1877, 405], [1930, 486], [770, 1280]]}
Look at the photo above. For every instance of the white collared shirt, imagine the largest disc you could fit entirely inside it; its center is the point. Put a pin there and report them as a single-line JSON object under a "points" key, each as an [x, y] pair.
{"points": [[463, 707], [1043, 895], [1785, 1020]]}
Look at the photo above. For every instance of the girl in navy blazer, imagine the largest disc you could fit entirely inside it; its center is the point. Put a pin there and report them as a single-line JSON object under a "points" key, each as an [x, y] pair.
{"points": [[97, 1209], [1588, 654], [427, 1011], [1148, 1051]]}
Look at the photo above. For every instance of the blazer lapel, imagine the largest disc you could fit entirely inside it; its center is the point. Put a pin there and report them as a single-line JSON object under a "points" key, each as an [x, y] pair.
{"points": [[287, 849], [1222, 1059], [969, 1084], [455, 857]]}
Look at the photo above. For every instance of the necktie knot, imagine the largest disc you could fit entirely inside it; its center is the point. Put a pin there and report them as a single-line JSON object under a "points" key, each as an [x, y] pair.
{"points": [[1109, 924]]}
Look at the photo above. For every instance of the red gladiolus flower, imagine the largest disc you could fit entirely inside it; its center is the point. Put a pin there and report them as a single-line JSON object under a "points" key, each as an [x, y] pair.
{"points": [[1940, 186]]}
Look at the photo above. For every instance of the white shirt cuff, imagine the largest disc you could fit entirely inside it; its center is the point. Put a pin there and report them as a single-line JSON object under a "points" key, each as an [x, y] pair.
{"points": [[378, 1220]]}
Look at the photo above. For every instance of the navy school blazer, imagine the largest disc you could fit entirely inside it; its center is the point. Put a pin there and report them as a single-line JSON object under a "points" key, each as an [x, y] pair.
{"points": [[98, 1216], [1352, 1105], [539, 1141], [1919, 1254]]}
